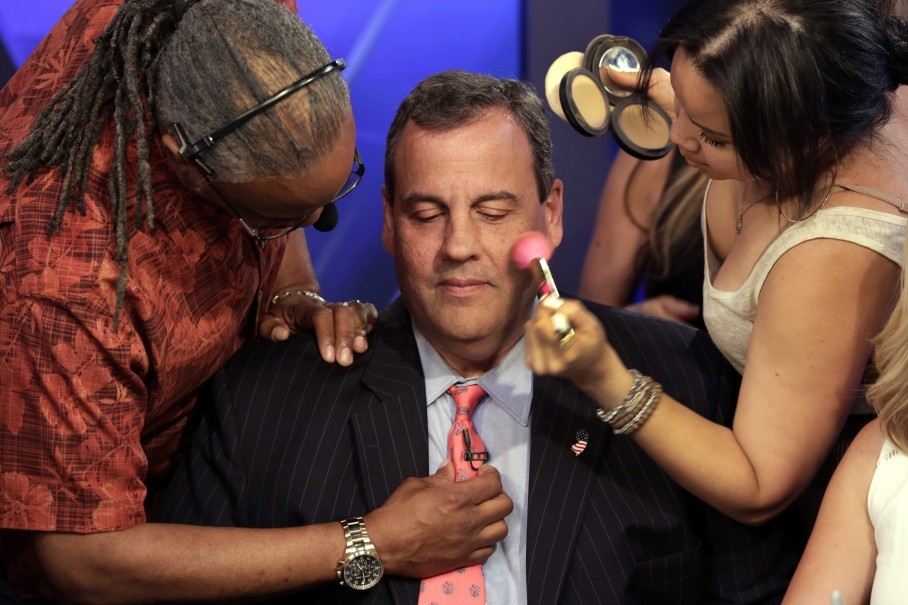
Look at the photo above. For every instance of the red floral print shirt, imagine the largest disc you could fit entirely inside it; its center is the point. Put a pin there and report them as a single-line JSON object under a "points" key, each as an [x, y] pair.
{"points": [[89, 416]]}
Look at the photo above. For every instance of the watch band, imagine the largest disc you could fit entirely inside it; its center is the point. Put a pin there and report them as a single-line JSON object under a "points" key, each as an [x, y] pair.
{"points": [[356, 537]]}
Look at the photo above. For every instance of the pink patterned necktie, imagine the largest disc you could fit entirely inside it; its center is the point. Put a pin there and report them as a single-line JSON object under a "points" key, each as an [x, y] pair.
{"points": [[467, 584]]}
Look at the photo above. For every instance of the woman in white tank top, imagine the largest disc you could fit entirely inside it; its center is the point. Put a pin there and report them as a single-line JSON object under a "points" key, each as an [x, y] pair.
{"points": [[784, 105]]}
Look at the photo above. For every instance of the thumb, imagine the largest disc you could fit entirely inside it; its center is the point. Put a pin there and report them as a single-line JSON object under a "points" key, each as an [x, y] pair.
{"points": [[273, 328], [445, 471], [624, 78]]}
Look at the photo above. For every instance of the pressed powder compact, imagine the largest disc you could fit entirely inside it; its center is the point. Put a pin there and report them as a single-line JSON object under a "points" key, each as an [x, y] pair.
{"points": [[580, 91]]}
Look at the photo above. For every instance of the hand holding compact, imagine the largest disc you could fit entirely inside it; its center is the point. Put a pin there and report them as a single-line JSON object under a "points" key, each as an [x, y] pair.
{"points": [[594, 92]]}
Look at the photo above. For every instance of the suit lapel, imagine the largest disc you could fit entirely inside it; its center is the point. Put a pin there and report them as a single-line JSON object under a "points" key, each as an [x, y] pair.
{"points": [[390, 427], [560, 481]]}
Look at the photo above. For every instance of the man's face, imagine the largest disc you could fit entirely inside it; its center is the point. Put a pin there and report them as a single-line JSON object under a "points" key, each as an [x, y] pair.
{"points": [[462, 197]]}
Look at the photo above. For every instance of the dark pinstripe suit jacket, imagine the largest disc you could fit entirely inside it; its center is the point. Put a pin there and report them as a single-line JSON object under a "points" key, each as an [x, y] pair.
{"points": [[290, 440]]}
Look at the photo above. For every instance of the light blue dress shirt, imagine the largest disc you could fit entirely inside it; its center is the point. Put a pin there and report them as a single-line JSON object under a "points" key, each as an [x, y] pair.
{"points": [[502, 421]]}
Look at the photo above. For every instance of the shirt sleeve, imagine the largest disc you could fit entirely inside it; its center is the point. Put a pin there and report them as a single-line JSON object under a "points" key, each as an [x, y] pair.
{"points": [[290, 5], [72, 409]]}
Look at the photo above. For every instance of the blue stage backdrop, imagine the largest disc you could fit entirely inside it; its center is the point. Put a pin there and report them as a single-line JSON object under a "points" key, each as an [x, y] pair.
{"points": [[392, 44]]}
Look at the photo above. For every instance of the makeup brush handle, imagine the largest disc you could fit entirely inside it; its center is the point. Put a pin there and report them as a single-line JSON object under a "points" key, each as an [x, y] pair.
{"points": [[547, 283]]}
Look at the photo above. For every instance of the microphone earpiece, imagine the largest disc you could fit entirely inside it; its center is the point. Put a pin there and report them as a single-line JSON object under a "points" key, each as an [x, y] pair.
{"points": [[328, 218]]}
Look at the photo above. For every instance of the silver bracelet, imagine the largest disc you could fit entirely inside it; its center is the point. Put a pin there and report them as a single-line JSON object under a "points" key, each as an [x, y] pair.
{"points": [[288, 293], [643, 414], [640, 381]]}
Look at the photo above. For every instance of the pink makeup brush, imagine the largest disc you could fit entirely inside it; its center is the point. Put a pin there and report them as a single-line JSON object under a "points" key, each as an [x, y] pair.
{"points": [[532, 251]]}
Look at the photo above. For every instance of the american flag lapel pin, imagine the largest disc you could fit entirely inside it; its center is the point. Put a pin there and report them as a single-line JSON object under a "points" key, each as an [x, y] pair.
{"points": [[581, 437]]}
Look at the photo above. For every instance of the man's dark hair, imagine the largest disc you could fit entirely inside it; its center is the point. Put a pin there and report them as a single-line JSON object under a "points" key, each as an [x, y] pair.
{"points": [[454, 98], [202, 68]]}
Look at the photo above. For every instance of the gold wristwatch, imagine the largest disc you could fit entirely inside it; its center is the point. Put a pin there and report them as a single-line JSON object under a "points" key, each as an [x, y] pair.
{"points": [[360, 569]]}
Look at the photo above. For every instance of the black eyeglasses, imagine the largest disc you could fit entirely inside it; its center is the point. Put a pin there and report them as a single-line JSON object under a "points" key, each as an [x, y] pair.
{"points": [[282, 228], [190, 152]]}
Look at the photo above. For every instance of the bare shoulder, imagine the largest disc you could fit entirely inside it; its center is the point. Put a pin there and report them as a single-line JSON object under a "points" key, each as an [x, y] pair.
{"points": [[868, 443], [859, 463]]}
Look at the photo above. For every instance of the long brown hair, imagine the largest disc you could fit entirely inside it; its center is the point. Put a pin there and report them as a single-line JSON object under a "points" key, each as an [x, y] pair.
{"points": [[669, 241]]}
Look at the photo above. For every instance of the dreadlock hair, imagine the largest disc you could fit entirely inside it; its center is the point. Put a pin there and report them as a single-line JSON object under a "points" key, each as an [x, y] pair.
{"points": [[201, 66]]}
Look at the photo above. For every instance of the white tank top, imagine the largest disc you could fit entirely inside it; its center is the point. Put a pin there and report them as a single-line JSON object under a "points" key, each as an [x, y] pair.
{"points": [[887, 504], [730, 315]]}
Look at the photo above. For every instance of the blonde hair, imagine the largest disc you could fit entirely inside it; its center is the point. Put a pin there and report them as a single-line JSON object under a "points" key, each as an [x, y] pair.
{"points": [[889, 394]]}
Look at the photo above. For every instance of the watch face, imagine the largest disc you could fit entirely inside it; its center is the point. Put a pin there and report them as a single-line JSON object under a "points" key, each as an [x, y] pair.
{"points": [[362, 572]]}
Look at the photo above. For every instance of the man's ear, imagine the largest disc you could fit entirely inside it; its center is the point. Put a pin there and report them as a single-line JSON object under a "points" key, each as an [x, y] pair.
{"points": [[188, 173], [552, 208], [387, 233]]}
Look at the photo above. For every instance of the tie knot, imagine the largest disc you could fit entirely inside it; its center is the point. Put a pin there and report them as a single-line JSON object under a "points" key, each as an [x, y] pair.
{"points": [[466, 398]]}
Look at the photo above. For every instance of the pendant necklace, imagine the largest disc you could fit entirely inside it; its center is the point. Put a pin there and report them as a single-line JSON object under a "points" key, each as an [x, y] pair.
{"points": [[739, 222]]}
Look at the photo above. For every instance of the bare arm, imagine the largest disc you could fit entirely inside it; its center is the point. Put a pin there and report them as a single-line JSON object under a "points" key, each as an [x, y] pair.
{"points": [[818, 309], [632, 185], [157, 562], [841, 554], [630, 196]]}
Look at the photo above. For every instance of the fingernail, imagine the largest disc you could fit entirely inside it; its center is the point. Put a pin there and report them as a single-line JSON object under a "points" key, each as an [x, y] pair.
{"points": [[329, 354], [360, 342], [279, 333], [345, 357]]}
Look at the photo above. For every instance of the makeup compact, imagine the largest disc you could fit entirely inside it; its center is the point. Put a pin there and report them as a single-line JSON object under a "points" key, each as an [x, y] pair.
{"points": [[580, 91]]}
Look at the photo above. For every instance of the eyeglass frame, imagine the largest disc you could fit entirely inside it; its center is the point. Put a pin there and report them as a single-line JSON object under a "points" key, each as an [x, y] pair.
{"points": [[190, 151], [356, 174]]}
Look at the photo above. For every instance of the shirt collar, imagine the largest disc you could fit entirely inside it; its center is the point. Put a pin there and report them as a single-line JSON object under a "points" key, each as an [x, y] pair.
{"points": [[510, 383]]}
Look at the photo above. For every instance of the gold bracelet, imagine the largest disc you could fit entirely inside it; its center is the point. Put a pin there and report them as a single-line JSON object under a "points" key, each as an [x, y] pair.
{"points": [[288, 293]]}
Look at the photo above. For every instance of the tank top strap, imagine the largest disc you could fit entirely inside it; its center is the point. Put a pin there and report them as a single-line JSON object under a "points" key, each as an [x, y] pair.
{"points": [[899, 204], [878, 231], [888, 451]]}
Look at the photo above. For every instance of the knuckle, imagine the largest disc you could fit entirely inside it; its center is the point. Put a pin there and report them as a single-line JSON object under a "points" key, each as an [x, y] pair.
{"points": [[322, 313]]}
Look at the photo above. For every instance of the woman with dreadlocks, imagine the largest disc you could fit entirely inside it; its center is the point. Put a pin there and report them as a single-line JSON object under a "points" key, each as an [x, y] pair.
{"points": [[160, 158]]}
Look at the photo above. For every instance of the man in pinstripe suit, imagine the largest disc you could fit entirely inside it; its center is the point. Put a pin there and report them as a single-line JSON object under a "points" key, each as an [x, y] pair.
{"points": [[289, 440]]}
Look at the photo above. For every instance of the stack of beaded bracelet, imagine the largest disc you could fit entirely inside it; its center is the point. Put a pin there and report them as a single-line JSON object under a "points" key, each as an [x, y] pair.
{"points": [[636, 407]]}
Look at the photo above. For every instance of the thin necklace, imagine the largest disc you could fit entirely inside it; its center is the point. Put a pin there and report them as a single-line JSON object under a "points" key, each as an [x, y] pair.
{"points": [[811, 215], [739, 222]]}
